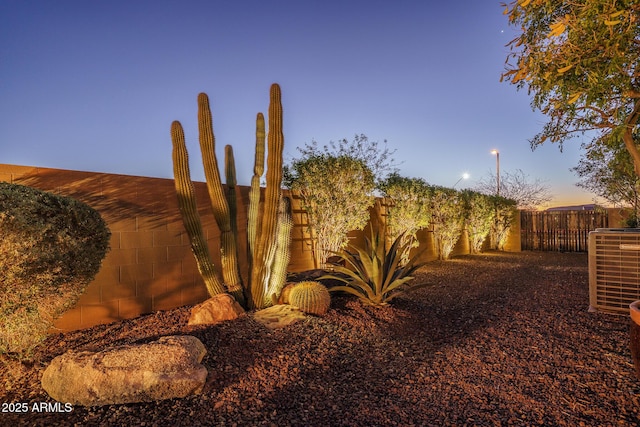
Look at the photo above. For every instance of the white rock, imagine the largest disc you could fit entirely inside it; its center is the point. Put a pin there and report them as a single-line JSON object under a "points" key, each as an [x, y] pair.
{"points": [[163, 369]]}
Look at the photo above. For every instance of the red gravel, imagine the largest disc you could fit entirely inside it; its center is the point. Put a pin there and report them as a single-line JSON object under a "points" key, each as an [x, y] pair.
{"points": [[497, 339]]}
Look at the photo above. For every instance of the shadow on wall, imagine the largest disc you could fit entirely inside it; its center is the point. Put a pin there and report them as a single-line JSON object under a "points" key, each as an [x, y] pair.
{"points": [[121, 200]]}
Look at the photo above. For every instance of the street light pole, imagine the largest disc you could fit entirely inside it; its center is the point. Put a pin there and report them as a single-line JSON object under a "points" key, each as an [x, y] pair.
{"points": [[464, 176], [497, 154]]}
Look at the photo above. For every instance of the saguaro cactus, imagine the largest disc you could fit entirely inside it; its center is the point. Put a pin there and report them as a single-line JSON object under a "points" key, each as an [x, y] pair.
{"points": [[268, 229]]}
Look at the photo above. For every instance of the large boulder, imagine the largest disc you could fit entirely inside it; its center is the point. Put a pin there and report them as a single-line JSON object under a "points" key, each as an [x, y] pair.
{"points": [[216, 309], [163, 369]]}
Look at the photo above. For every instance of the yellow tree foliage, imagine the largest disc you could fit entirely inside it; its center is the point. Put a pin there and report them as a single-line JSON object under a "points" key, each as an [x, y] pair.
{"points": [[579, 61]]}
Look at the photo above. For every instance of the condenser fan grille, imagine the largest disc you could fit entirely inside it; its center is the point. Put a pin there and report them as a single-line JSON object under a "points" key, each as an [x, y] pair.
{"points": [[614, 269]]}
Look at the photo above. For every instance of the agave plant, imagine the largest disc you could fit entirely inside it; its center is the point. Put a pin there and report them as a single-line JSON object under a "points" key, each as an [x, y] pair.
{"points": [[373, 274]]}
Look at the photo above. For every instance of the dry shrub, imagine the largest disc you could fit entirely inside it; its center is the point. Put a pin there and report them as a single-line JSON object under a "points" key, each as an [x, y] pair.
{"points": [[52, 247]]}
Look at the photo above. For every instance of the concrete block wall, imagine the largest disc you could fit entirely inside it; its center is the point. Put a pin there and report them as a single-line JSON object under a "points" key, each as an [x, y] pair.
{"points": [[150, 266]]}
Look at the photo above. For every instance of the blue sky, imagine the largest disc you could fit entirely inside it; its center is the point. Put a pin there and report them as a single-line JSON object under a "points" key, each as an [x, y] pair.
{"points": [[95, 85]]}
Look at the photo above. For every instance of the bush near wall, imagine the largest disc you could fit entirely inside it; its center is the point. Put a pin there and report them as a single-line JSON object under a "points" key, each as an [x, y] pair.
{"points": [[52, 247]]}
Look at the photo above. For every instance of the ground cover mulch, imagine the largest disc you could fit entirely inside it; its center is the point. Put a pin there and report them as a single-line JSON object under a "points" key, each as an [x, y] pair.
{"points": [[495, 339]]}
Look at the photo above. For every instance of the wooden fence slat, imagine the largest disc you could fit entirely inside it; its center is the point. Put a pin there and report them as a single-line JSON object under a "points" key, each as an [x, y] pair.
{"points": [[566, 231]]}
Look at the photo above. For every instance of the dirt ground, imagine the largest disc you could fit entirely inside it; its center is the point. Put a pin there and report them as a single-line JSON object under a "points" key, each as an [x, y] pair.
{"points": [[495, 339]]}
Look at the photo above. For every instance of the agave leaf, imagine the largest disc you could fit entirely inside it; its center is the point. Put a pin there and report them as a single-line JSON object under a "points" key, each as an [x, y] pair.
{"points": [[393, 250], [353, 275], [352, 291], [354, 281], [406, 290], [391, 264], [399, 282]]}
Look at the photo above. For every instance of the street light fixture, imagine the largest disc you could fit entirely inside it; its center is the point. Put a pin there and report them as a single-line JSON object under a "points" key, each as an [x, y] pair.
{"points": [[464, 176], [497, 154]]}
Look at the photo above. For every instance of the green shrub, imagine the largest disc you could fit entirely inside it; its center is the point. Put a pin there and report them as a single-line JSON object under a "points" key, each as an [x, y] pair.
{"points": [[505, 210], [52, 247], [336, 192], [447, 218], [480, 214], [374, 274], [409, 209]]}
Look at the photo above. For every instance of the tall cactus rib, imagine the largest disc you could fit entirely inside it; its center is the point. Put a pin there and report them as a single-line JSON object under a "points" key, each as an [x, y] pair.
{"points": [[189, 211], [219, 205]]}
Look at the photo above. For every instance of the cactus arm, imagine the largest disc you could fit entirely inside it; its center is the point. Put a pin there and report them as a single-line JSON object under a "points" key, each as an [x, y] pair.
{"points": [[189, 211], [282, 254], [230, 172], [219, 205], [253, 217], [266, 234]]}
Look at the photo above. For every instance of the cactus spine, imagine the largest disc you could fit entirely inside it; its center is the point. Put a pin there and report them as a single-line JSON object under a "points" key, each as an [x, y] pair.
{"points": [[310, 297], [268, 229], [189, 211]]}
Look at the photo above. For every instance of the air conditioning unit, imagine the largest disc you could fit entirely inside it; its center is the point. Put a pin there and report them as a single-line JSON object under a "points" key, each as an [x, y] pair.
{"points": [[614, 269]]}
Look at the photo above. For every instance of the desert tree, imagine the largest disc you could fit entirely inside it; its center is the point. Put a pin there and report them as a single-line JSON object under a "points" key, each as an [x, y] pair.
{"points": [[579, 61], [528, 193], [607, 171]]}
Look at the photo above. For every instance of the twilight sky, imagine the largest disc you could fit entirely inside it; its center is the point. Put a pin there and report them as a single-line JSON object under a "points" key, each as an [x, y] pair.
{"points": [[95, 85]]}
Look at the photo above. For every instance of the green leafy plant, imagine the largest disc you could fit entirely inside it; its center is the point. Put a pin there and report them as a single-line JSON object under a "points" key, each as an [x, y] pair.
{"points": [[408, 209], [336, 192], [52, 247], [480, 214], [579, 62], [505, 210], [447, 218], [374, 274]]}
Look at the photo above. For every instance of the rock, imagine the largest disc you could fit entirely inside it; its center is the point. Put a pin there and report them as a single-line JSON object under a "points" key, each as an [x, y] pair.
{"points": [[216, 309], [278, 316], [163, 369]]}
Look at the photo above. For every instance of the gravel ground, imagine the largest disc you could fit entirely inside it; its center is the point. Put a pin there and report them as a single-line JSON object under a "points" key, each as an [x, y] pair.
{"points": [[496, 339]]}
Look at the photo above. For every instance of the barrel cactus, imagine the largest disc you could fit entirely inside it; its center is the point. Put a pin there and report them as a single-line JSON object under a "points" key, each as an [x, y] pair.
{"points": [[310, 297]]}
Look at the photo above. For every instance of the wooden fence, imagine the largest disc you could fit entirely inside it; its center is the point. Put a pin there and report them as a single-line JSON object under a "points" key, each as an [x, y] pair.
{"points": [[565, 231]]}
